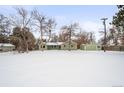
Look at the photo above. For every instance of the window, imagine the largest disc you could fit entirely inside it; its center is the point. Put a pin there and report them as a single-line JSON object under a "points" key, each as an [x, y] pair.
{"points": [[98, 46], [64, 45], [71, 45], [43, 46]]}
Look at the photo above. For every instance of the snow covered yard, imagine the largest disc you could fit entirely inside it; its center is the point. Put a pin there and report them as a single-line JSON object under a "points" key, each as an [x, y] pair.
{"points": [[62, 68]]}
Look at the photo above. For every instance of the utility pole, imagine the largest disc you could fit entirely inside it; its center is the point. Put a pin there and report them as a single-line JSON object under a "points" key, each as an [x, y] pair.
{"points": [[105, 40]]}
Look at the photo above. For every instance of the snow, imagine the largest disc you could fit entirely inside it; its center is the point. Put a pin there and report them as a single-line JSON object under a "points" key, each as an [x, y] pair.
{"points": [[54, 43], [5, 44], [74, 38], [62, 68]]}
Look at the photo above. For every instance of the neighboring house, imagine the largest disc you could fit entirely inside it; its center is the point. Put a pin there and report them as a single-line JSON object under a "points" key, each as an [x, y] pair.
{"points": [[115, 47], [90, 47], [6, 47]]}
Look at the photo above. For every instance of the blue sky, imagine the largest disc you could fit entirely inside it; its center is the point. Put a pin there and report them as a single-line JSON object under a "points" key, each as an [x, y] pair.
{"points": [[88, 16]]}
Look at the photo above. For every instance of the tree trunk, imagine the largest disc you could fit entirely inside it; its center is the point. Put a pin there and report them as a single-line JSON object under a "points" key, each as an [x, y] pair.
{"points": [[41, 38], [19, 47], [42, 46], [49, 35], [27, 47], [104, 48]]}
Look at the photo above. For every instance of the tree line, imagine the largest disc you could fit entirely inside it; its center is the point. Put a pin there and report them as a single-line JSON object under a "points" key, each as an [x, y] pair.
{"points": [[17, 29]]}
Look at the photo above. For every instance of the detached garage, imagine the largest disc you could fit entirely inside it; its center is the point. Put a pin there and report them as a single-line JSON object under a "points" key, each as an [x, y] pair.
{"points": [[90, 47]]}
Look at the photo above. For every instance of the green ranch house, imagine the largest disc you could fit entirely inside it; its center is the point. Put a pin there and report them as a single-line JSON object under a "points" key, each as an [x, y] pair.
{"points": [[58, 46]]}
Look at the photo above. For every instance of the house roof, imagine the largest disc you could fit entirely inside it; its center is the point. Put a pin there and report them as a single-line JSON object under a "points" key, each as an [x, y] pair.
{"points": [[91, 44], [74, 38], [54, 43], [5, 44], [45, 37]]}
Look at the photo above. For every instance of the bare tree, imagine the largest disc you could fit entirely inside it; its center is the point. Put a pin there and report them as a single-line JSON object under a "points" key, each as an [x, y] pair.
{"points": [[91, 37], [5, 29], [63, 35], [82, 38], [69, 31], [112, 36], [50, 26], [40, 23], [4, 25], [22, 20], [54, 38]]}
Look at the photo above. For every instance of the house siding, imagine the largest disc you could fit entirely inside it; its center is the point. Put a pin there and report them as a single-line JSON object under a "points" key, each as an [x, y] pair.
{"points": [[66, 46], [90, 47]]}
